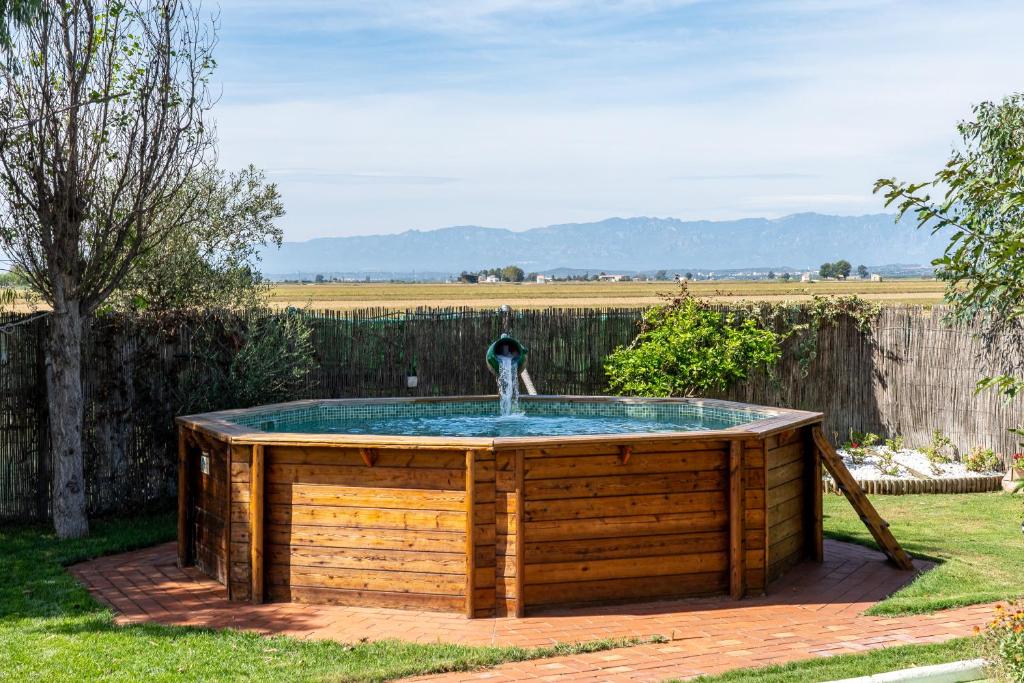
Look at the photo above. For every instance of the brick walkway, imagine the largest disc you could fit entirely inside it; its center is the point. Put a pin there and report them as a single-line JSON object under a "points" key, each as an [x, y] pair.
{"points": [[814, 611]]}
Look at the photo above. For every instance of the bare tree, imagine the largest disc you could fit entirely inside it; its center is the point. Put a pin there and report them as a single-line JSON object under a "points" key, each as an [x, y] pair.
{"points": [[103, 125]]}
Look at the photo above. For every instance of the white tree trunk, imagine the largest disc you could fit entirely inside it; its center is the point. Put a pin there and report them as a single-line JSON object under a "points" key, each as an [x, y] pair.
{"points": [[64, 380]]}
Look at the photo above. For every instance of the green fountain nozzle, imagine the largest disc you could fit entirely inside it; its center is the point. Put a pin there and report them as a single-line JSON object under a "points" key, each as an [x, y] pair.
{"points": [[506, 345]]}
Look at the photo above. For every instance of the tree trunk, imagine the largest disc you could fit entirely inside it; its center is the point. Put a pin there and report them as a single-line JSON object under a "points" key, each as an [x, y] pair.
{"points": [[64, 384]]}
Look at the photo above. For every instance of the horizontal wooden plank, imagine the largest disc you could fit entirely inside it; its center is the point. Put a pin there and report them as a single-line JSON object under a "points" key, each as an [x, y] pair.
{"points": [[239, 552], [631, 567], [625, 590], [358, 579], [241, 454], [392, 477], [785, 455], [639, 446], [634, 525], [240, 472], [383, 539], [485, 555], [612, 465], [754, 518], [364, 518], [781, 550], [794, 507], [785, 554], [578, 550], [784, 529], [366, 558], [240, 571], [784, 492], [240, 590], [619, 506], [777, 476], [755, 580], [363, 496], [754, 478], [617, 485], [385, 458], [391, 600]]}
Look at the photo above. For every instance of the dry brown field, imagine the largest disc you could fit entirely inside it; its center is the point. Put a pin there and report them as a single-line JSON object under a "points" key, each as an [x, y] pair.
{"points": [[400, 296]]}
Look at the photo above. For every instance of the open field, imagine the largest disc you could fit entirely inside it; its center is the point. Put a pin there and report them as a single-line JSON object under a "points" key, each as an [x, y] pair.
{"points": [[348, 295]]}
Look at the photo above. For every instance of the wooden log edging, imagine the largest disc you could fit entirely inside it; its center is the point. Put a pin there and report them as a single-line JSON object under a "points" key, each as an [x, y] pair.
{"points": [[900, 487]]}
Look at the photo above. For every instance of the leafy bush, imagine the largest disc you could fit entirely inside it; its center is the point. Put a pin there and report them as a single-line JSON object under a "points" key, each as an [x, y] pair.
{"points": [[886, 463], [274, 363], [894, 444], [982, 460], [239, 364], [686, 348], [858, 445], [940, 451]]}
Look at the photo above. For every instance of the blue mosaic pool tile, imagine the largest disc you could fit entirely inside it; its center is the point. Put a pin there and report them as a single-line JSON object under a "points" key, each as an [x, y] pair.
{"points": [[279, 420]]}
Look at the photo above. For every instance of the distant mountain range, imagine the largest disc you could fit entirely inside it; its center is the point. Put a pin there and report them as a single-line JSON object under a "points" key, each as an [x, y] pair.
{"points": [[799, 241]]}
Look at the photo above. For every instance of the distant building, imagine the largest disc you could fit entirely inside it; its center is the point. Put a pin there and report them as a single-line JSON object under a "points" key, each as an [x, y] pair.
{"points": [[610, 278], [491, 279], [542, 280], [875, 277], [807, 277]]}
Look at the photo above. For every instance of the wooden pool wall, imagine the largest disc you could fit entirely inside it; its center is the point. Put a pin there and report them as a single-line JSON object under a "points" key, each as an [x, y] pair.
{"points": [[499, 527]]}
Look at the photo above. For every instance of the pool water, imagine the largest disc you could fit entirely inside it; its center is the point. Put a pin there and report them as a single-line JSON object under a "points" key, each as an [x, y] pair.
{"points": [[482, 419]]}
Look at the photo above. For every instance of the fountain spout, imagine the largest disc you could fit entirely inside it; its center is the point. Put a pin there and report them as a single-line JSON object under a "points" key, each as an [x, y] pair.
{"points": [[506, 358], [507, 346]]}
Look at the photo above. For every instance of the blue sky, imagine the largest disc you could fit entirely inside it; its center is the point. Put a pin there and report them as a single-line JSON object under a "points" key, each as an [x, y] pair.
{"points": [[385, 115]]}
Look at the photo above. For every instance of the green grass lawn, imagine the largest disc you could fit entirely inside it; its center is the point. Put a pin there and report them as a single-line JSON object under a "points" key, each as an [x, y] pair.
{"points": [[52, 630], [852, 666], [976, 539]]}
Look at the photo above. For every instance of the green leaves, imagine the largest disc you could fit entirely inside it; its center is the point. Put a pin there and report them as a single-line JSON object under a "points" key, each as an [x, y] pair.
{"points": [[686, 348], [983, 190]]}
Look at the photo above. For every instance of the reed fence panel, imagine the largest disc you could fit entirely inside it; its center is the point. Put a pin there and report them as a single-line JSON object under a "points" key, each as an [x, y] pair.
{"points": [[912, 374]]}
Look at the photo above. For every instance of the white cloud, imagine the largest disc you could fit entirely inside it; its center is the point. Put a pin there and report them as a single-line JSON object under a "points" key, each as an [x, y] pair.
{"points": [[771, 116]]}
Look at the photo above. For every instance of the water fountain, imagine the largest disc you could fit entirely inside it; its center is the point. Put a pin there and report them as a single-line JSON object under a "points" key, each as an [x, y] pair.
{"points": [[507, 359]]}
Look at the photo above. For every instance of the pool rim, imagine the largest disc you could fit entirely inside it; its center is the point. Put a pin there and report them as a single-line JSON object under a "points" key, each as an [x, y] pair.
{"points": [[218, 424]]}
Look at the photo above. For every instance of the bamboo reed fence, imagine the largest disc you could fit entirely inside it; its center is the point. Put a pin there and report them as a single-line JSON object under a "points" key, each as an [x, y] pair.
{"points": [[912, 374]]}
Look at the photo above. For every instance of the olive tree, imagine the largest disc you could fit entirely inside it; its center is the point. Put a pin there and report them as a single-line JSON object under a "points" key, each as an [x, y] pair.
{"points": [[104, 108], [211, 260]]}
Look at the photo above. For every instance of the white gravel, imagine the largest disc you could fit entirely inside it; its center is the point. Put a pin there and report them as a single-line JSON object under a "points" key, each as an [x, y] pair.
{"points": [[906, 460]]}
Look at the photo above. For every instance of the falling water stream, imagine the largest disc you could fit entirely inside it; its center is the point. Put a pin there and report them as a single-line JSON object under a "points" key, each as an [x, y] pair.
{"points": [[508, 385]]}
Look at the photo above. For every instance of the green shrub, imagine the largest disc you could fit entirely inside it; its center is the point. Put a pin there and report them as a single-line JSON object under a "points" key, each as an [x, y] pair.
{"points": [[982, 460], [275, 361], [886, 462], [859, 444], [894, 444], [939, 452], [242, 364], [687, 348]]}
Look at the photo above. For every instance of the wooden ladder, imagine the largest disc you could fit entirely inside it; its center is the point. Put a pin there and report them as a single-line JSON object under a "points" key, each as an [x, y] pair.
{"points": [[878, 527]]}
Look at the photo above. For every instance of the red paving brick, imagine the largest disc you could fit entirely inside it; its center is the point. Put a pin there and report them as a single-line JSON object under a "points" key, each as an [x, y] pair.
{"points": [[814, 611]]}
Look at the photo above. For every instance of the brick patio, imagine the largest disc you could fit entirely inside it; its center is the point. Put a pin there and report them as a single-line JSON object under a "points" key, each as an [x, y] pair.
{"points": [[814, 611]]}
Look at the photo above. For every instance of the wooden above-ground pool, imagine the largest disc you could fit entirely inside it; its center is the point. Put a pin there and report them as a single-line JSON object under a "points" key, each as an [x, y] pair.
{"points": [[497, 525]]}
